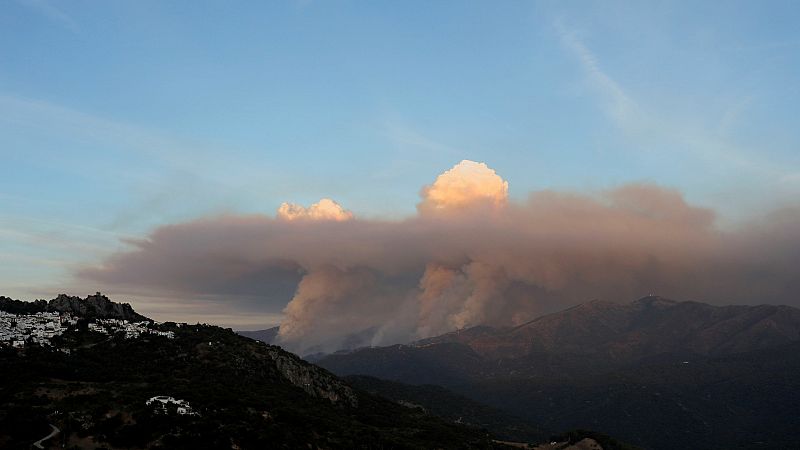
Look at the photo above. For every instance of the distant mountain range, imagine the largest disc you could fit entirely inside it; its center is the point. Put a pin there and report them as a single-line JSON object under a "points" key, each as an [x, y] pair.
{"points": [[350, 342], [629, 332], [708, 376], [267, 336]]}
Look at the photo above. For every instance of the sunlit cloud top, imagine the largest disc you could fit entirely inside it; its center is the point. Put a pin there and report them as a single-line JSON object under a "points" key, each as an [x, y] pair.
{"points": [[325, 209], [468, 183]]}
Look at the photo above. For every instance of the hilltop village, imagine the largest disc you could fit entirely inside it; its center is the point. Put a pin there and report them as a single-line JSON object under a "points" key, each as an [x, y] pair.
{"points": [[19, 330]]}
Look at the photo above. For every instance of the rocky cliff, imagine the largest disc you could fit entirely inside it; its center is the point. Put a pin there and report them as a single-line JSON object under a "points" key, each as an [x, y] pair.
{"points": [[97, 305], [93, 306]]}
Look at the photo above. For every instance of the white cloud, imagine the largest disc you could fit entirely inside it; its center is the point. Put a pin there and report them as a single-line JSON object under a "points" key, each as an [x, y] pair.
{"points": [[695, 143], [325, 209], [467, 184], [621, 106]]}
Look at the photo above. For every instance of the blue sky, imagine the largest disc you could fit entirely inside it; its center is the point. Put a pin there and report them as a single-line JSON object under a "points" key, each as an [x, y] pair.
{"points": [[118, 117]]}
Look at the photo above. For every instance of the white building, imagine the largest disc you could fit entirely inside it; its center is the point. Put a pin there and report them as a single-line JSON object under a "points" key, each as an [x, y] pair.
{"points": [[162, 402]]}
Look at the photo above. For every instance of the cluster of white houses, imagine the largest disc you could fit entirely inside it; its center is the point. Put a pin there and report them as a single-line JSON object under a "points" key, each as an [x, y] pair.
{"points": [[132, 330], [19, 330], [163, 404]]}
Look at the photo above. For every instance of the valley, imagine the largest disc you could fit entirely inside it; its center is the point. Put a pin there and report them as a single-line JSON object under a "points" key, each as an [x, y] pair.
{"points": [[711, 377]]}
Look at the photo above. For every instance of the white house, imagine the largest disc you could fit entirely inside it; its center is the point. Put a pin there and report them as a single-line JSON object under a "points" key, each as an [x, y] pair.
{"points": [[162, 401]]}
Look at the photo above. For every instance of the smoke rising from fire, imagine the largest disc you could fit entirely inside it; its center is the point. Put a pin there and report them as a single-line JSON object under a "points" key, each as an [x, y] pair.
{"points": [[467, 185], [325, 209], [471, 256]]}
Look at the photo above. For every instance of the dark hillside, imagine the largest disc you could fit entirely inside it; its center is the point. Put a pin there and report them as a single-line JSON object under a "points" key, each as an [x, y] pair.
{"points": [[453, 407], [243, 394], [709, 376]]}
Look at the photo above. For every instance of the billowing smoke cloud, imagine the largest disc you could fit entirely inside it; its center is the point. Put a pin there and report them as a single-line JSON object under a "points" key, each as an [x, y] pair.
{"points": [[465, 186], [325, 209], [471, 256]]}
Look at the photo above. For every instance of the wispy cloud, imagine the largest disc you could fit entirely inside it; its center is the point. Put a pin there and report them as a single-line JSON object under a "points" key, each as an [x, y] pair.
{"points": [[67, 236], [34, 114], [651, 128], [408, 138], [52, 13], [732, 115], [791, 179], [181, 161], [622, 107], [162, 174]]}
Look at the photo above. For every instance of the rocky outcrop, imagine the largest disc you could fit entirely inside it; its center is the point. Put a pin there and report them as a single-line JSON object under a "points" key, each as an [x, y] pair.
{"points": [[19, 307], [94, 306], [314, 380]]}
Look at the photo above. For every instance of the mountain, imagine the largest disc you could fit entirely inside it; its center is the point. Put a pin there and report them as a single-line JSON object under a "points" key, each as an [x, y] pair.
{"points": [[746, 400], [594, 336], [629, 332], [93, 306], [194, 386], [267, 336], [709, 376], [507, 427], [19, 307], [453, 407], [349, 342]]}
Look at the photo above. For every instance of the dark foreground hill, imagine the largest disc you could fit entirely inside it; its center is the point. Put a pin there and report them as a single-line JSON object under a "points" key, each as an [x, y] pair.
{"points": [[238, 393], [656, 373]]}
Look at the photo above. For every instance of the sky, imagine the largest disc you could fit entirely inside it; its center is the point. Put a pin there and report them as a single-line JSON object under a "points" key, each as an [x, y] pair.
{"points": [[118, 119]]}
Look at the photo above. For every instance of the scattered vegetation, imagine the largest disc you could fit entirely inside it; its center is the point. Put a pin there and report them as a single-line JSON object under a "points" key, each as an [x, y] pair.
{"points": [[97, 394]]}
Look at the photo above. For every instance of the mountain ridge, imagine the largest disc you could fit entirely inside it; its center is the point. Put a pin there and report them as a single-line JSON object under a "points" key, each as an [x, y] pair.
{"points": [[93, 306], [634, 330], [711, 376], [266, 336]]}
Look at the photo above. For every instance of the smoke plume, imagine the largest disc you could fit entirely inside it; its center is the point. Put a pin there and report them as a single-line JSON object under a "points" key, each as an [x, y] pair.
{"points": [[470, 256], [325, 209], [464, 186]]}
